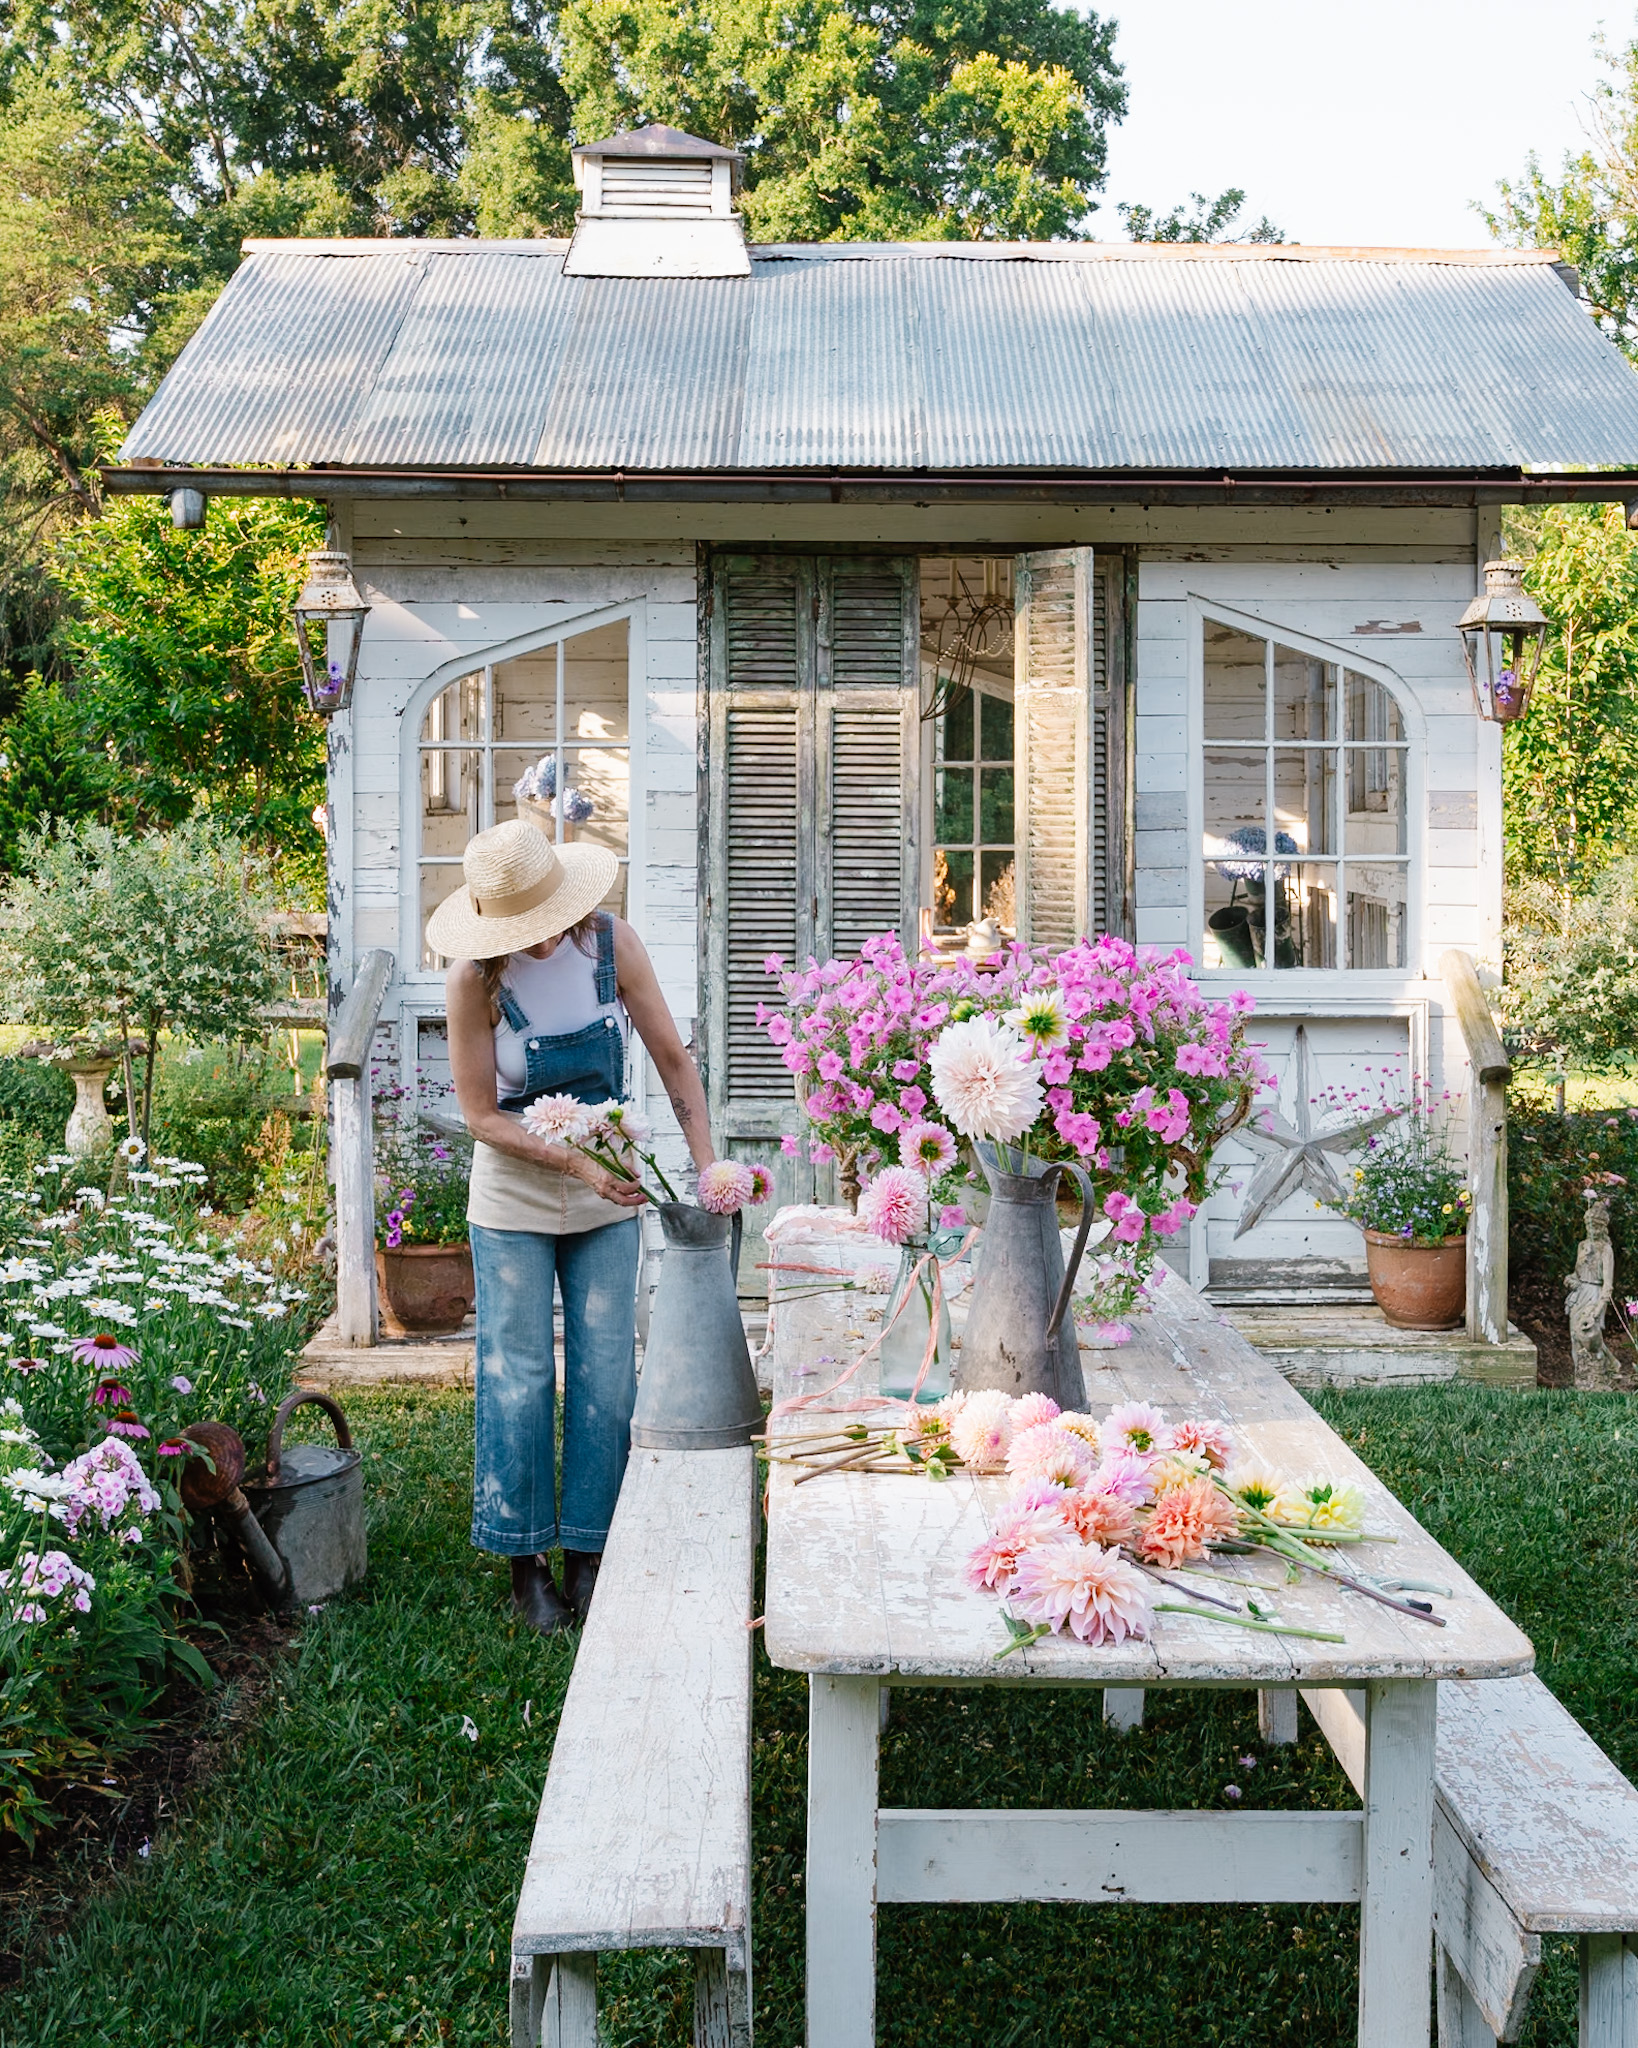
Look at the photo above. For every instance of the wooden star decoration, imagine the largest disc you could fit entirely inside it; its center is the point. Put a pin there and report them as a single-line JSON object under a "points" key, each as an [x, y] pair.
{"points": [[1293, 1154]]}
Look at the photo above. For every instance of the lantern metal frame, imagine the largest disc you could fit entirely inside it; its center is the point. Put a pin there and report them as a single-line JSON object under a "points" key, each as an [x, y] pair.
{"points": [[1503, 632], [329, 598]]}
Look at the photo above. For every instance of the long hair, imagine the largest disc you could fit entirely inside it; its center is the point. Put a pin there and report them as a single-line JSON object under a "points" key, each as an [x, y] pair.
{"points": [[584, 935]]}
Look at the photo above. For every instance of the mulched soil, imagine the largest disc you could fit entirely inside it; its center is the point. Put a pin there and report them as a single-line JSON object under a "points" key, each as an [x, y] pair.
{"points": [[1537, 1306], [103, 1828]]}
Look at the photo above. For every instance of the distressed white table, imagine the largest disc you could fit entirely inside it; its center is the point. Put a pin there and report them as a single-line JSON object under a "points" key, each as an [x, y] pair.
{"points": [[865, 1589]]}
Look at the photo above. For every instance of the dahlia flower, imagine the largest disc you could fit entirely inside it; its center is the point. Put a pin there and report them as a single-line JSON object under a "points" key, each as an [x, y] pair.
{"points": [[1098, 1517], [1135, 1426], [761, 1186], [1185, 1521], [894, 1205], [1091, 1590], [982, 1080], [560, 1119], [993, 1565], [1041, 1019], [928, 1148], [1320, 1504], [1173, 1469], [1126, 1475], [1208, 1440], [981, 1430], [1044, 1452], [1030, 1409], [1082, 1426], [725, 1185], [1256, 1485]]}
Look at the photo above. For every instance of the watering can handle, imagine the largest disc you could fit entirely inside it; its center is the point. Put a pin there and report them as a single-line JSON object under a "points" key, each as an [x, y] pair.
{"points": [[735, 1241], [275, 1436], [1088, 1203]]}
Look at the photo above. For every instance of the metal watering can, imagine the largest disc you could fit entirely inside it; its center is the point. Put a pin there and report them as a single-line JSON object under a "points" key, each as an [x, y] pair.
{"points": [[301, 1521], [1020, 1336], [697, 1391]]}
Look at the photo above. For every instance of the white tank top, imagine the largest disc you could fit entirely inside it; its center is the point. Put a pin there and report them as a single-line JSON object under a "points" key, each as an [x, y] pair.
{"points": [[558, 995]]}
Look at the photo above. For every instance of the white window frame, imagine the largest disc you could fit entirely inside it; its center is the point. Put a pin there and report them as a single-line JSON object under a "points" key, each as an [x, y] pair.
{"points": [[412, 975], [1295, 984]]}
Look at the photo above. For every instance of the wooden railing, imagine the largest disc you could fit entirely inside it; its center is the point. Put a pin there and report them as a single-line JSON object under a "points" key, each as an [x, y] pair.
{"points": [[352, 1139], [1487, 1150]]}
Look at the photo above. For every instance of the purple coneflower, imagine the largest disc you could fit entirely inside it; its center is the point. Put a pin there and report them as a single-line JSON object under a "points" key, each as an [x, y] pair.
{"points": [[110, 1394], [125, 1423], [103, 1349]]}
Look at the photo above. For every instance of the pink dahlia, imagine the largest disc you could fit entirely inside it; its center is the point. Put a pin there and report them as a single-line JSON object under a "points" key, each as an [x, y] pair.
{"points": [[994, 1564], [894, 1206], [761, 1186], [1082, 1426], [1085, 1587], [1045, 1452], [559, 1119], [1098, 1517], [1126, 1475], [983, 1080], [1136, 1426], [1208, 1440], [1030, 1409], [725, 1185], [105, 1351], [1185, 1521], [981, 1430], [928, 1148]]}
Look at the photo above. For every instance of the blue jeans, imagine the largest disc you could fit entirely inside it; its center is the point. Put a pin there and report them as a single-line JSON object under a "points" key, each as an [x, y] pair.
{"points": [[515, 1509]]}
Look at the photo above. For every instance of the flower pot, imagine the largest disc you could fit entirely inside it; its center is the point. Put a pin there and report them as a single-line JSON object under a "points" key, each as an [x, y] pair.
{"points": [[426, 1288], [1418, 1286]]}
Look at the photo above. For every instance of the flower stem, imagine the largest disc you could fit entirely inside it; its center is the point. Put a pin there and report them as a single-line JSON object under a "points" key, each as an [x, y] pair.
{"points": [[1266, 1628]]}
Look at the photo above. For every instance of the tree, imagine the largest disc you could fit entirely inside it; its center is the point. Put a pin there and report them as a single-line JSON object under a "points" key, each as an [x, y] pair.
{"points": [[1570, 769], [104, 936], [1572, 973], [1213, 220]]}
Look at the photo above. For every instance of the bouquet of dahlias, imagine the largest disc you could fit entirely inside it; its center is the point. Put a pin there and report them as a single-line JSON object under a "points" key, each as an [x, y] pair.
{"points": [[616, 1135]]}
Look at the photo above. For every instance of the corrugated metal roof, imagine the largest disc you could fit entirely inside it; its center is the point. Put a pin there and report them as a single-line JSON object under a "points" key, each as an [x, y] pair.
{"points": [[1055, 357]]}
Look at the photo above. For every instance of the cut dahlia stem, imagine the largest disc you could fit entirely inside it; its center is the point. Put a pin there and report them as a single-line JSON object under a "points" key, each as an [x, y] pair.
{"points": [[1265, 1628], [1178, 1586]]}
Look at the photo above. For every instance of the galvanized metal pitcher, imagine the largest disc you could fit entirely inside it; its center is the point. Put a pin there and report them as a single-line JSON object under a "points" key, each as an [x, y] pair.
{"points": [[1020, 1335], [310, 1504], [697, 1391]]}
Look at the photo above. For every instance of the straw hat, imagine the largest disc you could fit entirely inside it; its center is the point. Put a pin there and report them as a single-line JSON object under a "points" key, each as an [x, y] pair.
{"points": [[520, 889]]}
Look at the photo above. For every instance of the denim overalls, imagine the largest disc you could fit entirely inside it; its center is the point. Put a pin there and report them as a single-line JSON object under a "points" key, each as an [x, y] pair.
{"points": [[516, 1509]]}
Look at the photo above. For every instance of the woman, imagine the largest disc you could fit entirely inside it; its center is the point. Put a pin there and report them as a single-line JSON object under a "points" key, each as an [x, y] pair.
{"points": [[538, 1001]]}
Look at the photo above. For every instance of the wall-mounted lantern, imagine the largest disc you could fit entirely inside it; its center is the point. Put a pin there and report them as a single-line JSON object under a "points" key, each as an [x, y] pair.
{"points": [[1502, 636], [330, 617]]}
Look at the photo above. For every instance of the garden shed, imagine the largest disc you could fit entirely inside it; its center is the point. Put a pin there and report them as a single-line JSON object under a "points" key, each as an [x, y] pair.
{"points": [[1067, 586]]}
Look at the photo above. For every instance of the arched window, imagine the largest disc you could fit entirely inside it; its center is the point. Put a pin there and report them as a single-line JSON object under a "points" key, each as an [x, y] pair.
{"points": [[1306, 767]]}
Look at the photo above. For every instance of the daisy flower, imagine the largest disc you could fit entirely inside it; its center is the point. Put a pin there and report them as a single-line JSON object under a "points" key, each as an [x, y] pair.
{"points": [[725, 1185], [104, 1350], [894, 1206], [981, 1430], [982, 1080], [928, 1148], [1185, 1521], [1045, 1453], [1040, 1019], [1135, 1426], [1090, 1590]]}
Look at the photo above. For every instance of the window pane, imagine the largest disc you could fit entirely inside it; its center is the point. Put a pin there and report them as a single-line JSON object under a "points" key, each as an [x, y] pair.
{"points": [[995, 806], [456, 713], [1305, 697], [1235, 685], [1305, 915], [1234, 915], [956, 728], [1305, 800], [997, 872], [995, 729], [436, 884], [1376, 800], [953, 804], [953, 886], [449, 800], [1372, 712], [1236, 800], [1376, 916]]}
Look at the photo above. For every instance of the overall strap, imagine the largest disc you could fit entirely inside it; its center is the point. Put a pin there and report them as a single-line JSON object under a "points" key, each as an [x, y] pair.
{"points": [[511, 1010], [608, 980]]}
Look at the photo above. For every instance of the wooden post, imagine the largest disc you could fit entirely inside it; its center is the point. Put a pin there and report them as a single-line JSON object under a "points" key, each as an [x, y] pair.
{"points": [[1609, 1991], [352, 1137], [1396, 1905], [1486, 1151], [844, 1721]]}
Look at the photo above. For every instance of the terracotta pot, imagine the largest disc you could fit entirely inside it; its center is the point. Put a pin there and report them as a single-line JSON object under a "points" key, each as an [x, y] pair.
{"points": [[426, 1287], [1418, 1286]]}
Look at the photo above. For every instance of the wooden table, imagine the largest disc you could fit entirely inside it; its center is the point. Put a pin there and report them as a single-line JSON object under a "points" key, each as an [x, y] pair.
{"points": [[865, 1588]]}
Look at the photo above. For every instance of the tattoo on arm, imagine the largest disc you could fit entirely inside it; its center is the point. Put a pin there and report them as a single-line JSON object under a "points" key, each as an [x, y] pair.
{"points": [[683, 1108]]}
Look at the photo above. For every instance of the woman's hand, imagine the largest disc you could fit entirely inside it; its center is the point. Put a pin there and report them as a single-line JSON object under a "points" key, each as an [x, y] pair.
{"points": [[613, 1187]]}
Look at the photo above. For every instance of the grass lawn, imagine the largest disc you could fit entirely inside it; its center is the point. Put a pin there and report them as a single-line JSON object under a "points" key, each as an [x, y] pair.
{"points": [[350, 1875]]}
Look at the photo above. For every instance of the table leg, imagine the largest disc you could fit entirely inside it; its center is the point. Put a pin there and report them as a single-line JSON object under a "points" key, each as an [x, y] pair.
{"points": [[1396, 1905], [844, 1723]]}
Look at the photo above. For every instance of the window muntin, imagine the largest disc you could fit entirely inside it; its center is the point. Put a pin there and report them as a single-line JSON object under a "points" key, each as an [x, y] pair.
{"points": [[967, 679], [1306, 845], [480, 732]]}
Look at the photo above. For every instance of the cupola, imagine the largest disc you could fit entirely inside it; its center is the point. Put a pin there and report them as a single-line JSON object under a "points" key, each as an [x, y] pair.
{"points": [[657, 203]]}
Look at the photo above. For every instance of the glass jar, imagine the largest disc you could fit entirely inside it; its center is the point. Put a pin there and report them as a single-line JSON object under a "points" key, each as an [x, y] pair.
{"points": [[905, 1325]]}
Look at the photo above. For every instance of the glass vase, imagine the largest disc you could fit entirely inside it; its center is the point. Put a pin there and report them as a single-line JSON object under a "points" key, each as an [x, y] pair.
{"points": [[905, 1325]]}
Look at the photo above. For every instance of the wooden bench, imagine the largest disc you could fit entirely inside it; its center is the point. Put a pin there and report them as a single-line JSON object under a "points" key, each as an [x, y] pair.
{"points": [[1535, 1832], [644, 1834]]}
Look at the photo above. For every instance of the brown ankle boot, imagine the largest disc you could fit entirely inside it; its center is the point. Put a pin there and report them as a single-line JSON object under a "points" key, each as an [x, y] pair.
{"points": [[535, 1600], [580, 1578]]}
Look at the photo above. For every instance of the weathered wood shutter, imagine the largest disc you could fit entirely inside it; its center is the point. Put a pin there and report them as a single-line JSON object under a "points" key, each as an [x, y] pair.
{"points": [[1052, 742], [811, 827]]}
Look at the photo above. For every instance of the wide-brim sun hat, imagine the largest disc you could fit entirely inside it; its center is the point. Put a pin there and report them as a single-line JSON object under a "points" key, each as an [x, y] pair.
{"points": [[520, 889]]}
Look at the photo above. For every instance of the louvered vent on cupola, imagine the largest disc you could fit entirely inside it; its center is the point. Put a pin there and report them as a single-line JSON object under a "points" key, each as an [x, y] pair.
{"points": [[657, 203]]}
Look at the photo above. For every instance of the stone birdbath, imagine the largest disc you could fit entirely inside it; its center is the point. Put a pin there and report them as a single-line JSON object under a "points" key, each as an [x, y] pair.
{"points": [[88, 1065]]}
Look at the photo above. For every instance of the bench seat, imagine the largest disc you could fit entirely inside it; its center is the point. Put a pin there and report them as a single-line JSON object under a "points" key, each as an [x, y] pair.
{"points": [[644, 1833]]}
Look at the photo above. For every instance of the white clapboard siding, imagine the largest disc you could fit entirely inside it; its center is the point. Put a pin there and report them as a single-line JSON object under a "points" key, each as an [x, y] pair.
{"points": [[1053, 686]]}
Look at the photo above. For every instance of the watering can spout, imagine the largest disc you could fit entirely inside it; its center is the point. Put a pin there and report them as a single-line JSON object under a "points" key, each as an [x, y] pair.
{"points": [[698, 1390]]}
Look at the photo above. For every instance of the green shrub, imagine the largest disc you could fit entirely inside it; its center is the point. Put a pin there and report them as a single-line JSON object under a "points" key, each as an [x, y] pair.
{"points": [[36, 1098], [210, 1103], [1549, 1161]]}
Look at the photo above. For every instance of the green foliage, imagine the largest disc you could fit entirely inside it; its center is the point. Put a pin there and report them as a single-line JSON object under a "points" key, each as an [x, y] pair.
{"points": [[1212, 220], [35, 1099], [1407, 1183], [1550, 1159], [1571, 998], [1570, 769], [421, 1176], [210, 1103], [51, 770]]}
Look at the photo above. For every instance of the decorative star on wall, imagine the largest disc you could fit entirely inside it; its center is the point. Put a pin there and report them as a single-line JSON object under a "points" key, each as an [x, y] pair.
{"points": [[1293, 1154]]}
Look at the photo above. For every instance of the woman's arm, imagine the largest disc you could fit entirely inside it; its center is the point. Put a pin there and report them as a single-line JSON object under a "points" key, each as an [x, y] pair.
{"points": [[648, 1011], [472, 1063]]}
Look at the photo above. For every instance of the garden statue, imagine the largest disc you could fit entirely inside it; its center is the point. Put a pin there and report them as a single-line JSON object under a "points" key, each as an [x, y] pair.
{"points": [[1587, 1294], [88, 1065]]}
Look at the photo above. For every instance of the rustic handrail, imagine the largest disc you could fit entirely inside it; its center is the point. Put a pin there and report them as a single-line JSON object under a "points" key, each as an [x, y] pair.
{"points": [[352, 1140], [1486, 1151], [350, 1035]]}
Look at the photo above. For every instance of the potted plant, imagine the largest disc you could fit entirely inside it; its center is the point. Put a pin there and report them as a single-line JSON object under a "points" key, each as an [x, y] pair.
{"points": [[422, 1258], [1410, 1199]]}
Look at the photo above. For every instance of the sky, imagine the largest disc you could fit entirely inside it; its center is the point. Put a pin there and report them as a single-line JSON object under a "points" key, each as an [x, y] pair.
{"points": [[1376, 124]]}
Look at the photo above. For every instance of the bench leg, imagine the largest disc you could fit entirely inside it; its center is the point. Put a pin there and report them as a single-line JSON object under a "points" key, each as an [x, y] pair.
{"points": [[1609, 1991], [571, 2003], [1276, 1714], [528, 2000], [844, 1727], [1461, 2024], [1396, 1903], [722, 2002], [1123, 1707]]}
